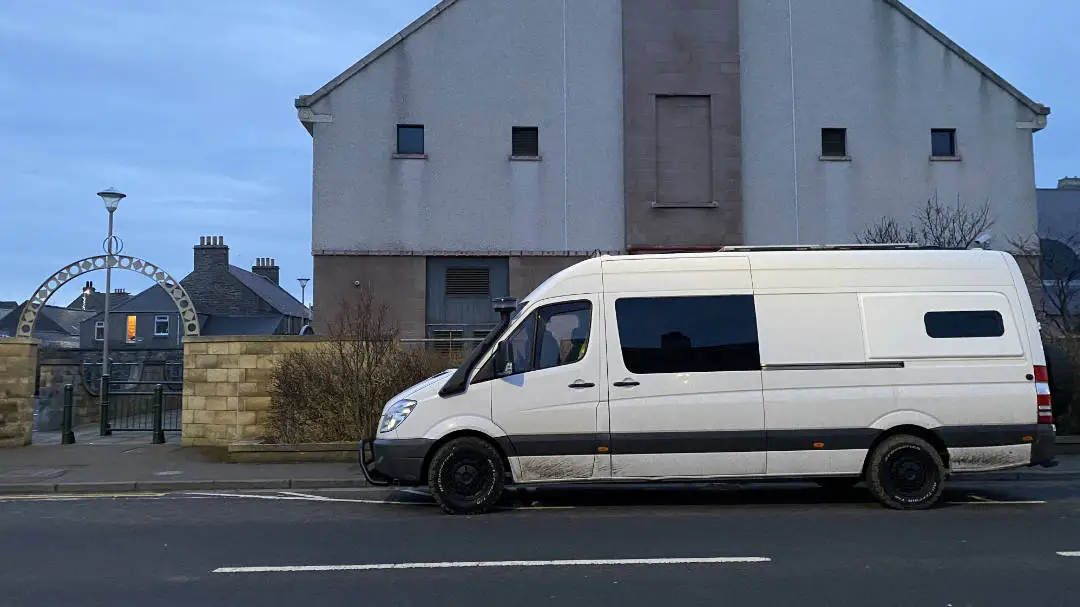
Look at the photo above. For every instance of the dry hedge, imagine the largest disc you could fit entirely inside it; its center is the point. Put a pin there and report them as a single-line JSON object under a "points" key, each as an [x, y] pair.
{"points": [[336, 390]]}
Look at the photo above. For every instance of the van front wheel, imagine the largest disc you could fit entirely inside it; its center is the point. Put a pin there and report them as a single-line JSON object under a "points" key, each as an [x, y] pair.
{"points": [[906, 473], [466, 476]]}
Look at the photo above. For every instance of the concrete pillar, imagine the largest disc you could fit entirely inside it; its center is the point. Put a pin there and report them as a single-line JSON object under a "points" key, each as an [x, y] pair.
{"points": [[18, 366]]}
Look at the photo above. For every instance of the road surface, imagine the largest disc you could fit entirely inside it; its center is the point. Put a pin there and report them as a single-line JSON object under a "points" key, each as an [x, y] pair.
{"points": [[990, 544]]}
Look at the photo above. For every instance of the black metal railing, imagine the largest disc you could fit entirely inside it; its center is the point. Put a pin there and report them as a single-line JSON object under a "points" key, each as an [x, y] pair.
{"points": [[132, 406]]}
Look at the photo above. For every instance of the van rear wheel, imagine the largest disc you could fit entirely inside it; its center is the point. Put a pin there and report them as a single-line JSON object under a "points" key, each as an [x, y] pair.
{"points": [[906, 473], [466, 476]]}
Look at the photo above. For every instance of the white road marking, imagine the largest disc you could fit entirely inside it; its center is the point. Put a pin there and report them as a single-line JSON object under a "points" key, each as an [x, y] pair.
{"points": [[978, 499], [1077, 554], [306, 498], [78, 496], [475, 564]]}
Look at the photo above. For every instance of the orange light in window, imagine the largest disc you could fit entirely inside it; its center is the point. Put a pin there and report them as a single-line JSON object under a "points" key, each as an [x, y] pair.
{"points": [[131, 329]]}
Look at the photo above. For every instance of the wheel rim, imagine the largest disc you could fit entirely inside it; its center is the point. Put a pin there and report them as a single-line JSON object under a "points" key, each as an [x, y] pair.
{"points": [[909, 474], [468, 477]]}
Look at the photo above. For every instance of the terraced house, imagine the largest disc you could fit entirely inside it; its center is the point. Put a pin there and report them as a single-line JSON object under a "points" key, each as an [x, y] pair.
{"points": [[493, 142]]}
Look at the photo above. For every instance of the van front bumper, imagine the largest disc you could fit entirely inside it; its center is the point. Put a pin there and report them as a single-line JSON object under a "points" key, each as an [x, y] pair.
{"points": [[1042, 448], [394, 461]]}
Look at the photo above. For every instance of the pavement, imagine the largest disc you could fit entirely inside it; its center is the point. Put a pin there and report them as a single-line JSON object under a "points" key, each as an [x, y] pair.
{"points": [[126, 461], [988, 543]]}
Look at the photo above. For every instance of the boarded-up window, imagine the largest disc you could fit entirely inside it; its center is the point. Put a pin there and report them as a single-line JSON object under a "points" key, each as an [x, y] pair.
{"points": [[467, 282], [684, 150]]}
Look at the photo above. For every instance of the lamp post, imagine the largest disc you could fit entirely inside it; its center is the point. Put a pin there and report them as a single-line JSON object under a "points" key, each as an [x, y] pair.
{"points": [[112, 199], [303, 286]]}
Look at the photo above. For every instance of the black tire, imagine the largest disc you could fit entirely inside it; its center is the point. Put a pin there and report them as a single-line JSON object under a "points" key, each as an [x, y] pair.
{"points": [[906, 473], [466, 476], [837, 483]]}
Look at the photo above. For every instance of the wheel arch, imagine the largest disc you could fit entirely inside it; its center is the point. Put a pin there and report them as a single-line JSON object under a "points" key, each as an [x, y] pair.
{"points": [[926, 434], [467, 432]]}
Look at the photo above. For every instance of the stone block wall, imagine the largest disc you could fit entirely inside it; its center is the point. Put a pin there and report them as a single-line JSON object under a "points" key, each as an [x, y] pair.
{"points": [[227, 386], [18, 368]]}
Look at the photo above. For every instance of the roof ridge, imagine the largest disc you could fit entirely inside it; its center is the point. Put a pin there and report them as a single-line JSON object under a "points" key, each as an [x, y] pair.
{"points": [[382, 49], [949, 43]]}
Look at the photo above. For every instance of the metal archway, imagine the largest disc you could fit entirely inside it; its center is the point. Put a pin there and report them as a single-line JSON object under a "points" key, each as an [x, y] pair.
{"points": [[29, 315]]}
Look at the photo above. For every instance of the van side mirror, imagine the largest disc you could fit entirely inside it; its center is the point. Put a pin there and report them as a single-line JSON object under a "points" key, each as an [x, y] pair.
{"points": [[504, 359]]}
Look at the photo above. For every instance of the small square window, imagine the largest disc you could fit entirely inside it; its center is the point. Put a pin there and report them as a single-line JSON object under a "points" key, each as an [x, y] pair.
{"points": [[525, 142], [943, 143], [99, 330], [161, 326], [410, 139], [834, 143]]}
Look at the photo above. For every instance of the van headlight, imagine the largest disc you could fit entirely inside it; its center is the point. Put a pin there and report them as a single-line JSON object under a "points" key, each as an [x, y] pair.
{"points": [[395, 414]]}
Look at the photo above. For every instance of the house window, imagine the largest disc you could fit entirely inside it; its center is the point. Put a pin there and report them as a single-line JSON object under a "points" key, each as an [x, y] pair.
{"points": [[943, 143], [99, 330], [525, 142], [131, 325], [410, 139], [834, 143], [699, 334], [161, 326], [964, 324]]}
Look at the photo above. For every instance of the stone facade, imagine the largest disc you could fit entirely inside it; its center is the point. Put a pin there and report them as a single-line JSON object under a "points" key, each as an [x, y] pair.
{"points": [[18, 362], [227, 386]]}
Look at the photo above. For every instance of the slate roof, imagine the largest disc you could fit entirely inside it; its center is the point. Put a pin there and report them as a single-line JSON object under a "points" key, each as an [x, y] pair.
{"points": [[218, 324], [1059, 213], [278, 298], [306, 101], [54, 324]]}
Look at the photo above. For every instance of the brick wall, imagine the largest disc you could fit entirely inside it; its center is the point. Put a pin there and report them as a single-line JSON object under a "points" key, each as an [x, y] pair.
{"points": [[227, 386], [18, 366]]}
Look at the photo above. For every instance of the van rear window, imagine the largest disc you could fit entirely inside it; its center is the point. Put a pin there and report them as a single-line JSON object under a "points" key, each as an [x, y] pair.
{"points": [[688, 334], [964, 324]]}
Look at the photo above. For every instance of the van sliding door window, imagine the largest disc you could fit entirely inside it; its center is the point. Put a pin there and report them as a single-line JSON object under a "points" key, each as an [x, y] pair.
{"points": [[688, 334], [964, 324]]}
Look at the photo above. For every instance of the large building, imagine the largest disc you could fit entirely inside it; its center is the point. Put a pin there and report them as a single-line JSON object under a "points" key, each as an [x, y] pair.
{"points": [[493, 142]]}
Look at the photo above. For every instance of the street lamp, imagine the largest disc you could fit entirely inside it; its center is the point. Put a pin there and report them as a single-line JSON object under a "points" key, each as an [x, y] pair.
{"points": [[111, 197], [303, 286]]}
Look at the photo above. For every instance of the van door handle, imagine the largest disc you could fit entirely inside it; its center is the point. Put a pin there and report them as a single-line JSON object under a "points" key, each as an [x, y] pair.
{"points": [[582, 384], [626, 383]]}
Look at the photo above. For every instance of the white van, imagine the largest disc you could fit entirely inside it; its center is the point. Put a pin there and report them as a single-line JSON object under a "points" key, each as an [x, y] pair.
{"points": [[897, 366]]}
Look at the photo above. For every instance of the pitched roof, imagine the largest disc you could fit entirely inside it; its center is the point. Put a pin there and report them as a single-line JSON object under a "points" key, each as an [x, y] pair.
{"points": [[307, 100], [218, 324], [278, 298], [989, 74], [1038, 108], [52, 320]]}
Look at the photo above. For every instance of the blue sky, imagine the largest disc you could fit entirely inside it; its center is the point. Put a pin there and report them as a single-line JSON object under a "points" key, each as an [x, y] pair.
{"points": [[188, 108]]}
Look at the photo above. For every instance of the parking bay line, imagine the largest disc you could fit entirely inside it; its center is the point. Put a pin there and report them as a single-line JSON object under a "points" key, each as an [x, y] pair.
{"points": [[1076, 554], [490, 564]]}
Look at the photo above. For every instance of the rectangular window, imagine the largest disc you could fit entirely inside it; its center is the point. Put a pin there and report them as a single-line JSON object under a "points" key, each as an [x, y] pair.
{"points": [[131, 336], [684, 151], [688, 334], [943, 143], [410, 139], [99, 330], [525, 142], [834, 143], [964, 324], [161, 326]]}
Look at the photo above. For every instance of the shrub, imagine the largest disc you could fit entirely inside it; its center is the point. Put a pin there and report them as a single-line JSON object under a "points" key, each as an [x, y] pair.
{"points": [[336, 390]]}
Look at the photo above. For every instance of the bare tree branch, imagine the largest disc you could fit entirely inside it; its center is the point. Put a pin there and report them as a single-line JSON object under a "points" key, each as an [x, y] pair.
{"points": [[934, 225]]}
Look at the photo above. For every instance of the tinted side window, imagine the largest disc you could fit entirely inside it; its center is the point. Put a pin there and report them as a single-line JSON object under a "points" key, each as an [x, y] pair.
{"points": [[688, 334], [964, 324]]}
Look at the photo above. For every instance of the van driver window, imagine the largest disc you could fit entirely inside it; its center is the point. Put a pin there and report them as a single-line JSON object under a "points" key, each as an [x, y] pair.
{"points": [[564, 334], [688, 334]]}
